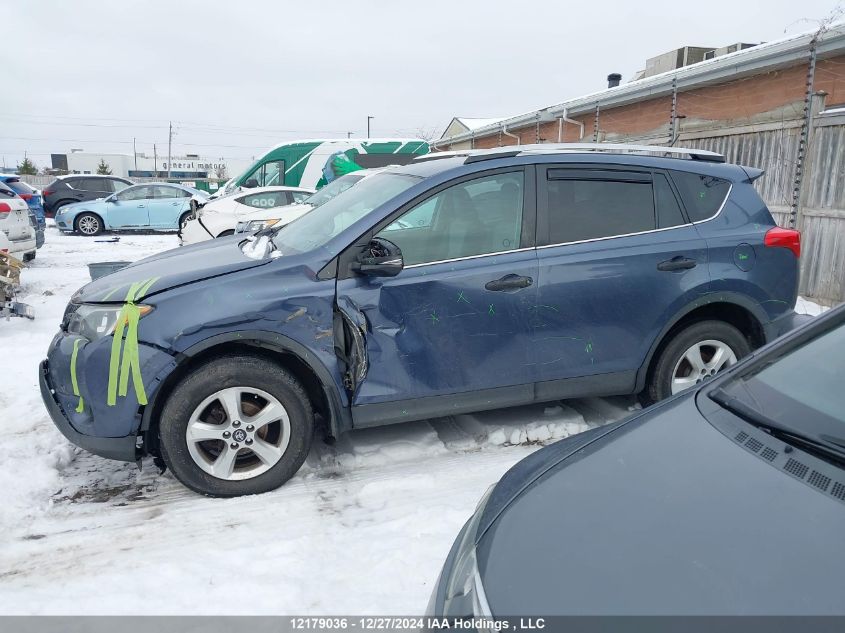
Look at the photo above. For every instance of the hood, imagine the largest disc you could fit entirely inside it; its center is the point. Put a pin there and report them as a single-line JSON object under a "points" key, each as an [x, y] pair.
{"points": [[176, 267], [78, 206], [664, 515]]}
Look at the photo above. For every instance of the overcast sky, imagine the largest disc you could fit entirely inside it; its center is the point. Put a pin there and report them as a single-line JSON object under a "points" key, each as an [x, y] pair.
{"points": [[238, 77]]}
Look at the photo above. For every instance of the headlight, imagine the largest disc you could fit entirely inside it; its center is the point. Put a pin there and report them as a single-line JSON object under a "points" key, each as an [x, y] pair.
{"points": [[465, 596], [96, 321], [257, 225]]}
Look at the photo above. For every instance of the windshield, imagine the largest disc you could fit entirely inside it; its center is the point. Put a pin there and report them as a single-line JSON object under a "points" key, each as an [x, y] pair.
{"points": [[316, 228], [332, 189], [798, 393]]}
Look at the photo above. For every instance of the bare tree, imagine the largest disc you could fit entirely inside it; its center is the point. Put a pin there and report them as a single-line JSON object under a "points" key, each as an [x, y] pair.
{"points": [[220, 172]]}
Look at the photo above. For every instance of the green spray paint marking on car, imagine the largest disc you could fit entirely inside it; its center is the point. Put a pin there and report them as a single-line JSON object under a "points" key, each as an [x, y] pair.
{"points": [[73, 381], [124, 353]]}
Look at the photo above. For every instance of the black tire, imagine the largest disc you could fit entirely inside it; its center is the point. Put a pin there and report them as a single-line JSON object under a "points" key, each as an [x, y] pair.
{"points": [[182, 219], [85, 220], [57, 207], [28, 257], [659, 384], [227, 233], [236, 370]]}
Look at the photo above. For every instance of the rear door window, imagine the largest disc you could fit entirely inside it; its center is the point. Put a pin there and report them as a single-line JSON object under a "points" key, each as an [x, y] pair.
{"points": [[702, 196], [97, 185], [594, 204], [164, 192], [668, 210]]}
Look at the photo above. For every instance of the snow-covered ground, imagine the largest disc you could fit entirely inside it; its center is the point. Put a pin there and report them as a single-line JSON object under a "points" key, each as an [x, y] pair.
{"points": [[363, 528]]}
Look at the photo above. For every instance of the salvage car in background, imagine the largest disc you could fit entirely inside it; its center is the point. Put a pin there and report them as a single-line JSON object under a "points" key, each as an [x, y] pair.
{"points": [[260, 219], [29, 194], [16, 225], [79, 188], [217, 218], [156, 206], [722, 501], [452, 284]]}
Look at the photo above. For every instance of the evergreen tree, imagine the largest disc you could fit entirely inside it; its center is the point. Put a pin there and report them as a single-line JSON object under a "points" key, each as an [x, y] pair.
{"points": [[27, 168], [103, 168]]}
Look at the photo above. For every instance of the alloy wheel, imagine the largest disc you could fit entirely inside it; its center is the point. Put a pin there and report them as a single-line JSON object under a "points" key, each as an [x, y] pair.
{"points": [[701, 361], [89, 225], [238, 433]]}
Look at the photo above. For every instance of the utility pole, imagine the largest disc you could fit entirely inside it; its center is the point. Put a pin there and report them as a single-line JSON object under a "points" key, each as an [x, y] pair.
{"points": [[369, 118], [155, 162], [169, 142], [135, 153], [349, 135]]}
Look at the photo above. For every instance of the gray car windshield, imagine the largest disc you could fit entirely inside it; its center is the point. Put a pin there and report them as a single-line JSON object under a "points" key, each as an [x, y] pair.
{"points": [[316, 228], [332, 189]]}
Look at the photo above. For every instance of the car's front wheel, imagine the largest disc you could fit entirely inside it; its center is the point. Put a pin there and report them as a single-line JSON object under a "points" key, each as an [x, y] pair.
{"points": [[227, 233], [88, 224], [237, 425], [695, 354]]}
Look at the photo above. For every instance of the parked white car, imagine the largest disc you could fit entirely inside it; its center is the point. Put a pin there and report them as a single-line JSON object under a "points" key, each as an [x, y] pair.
{"points": [[217, 218], [15, 224], [280, 216]]}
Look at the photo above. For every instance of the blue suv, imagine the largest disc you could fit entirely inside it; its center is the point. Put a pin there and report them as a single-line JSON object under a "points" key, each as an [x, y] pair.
{"points": [[457, 283]]}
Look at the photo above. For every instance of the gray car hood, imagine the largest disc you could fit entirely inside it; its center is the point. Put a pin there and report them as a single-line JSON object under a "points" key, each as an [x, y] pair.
{"points": [[664, 515]]}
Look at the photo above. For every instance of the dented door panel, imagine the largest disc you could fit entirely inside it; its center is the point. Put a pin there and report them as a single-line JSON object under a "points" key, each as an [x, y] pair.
{"points": [[436, 329]]}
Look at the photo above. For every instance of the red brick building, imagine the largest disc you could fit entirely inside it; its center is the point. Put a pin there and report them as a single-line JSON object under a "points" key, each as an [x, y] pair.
{"points": [[766, 83], [779, 106]]}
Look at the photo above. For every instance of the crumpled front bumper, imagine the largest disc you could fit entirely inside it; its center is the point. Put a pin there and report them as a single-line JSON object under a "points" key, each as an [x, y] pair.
{"points": [[119, 448], [82, 412]]}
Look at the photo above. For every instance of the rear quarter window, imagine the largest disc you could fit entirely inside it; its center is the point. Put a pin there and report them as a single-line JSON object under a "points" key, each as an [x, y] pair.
{"points": [[702, 196]]}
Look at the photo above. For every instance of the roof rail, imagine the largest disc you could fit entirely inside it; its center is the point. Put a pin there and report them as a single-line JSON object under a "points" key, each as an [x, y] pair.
{"points": [[626, 148], [474, 156], [421, 158]]}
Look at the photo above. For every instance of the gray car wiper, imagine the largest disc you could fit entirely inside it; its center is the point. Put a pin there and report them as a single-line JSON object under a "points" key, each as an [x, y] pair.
{"points": [[830, 448]]}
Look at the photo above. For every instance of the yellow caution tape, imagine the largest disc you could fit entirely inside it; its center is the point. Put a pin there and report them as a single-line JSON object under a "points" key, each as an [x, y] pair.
{"points": [[124, 352]]}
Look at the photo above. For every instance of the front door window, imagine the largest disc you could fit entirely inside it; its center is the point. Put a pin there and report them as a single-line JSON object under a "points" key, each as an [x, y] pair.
{"points": [[475, 217]]}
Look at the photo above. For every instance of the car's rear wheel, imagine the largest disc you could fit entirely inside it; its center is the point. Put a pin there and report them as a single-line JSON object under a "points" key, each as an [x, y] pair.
{"points": [[88, 224], [183, 218], [237, 425], [227, 233], [695, 354]]}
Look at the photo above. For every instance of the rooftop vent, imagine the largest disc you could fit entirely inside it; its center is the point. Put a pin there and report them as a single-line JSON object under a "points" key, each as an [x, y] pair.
{"points": [[613, 80]]}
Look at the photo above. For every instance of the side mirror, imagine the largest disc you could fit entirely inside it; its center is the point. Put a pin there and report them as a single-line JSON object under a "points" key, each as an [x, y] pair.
{"points": [[381, 258], [252, 183]]}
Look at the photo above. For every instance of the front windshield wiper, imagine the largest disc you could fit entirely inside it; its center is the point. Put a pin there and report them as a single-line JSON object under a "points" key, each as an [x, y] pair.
{"points": [[833, 449]]}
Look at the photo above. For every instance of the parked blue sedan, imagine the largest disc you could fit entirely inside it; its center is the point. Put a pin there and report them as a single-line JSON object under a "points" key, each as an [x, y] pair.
{"points": [[149, 206]]}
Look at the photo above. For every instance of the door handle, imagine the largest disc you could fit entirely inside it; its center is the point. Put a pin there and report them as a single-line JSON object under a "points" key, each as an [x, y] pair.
{"points": [[677, 263], [141, 206], [173, 204], [509, 282]]}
